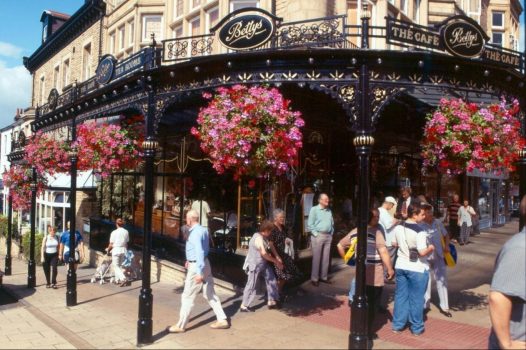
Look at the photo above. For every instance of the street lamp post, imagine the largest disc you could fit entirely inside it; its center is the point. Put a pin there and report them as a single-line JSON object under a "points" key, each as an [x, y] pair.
{"points": [[31, 272], [71, 293], [363, 143], [7, 270]]}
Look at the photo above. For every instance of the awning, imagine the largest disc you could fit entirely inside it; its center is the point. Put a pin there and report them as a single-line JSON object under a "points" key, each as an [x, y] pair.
{"points": [[85, 180]]}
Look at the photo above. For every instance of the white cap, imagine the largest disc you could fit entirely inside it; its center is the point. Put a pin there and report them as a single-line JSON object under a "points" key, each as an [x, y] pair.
{"points": [[390, 199]]}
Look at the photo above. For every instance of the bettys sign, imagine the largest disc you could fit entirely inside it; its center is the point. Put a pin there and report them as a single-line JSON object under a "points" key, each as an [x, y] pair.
{"points": [[462, 36], [246, 29]]}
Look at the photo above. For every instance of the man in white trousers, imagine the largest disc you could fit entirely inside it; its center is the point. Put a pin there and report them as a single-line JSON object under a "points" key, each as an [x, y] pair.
{"points": [[199, 276], [436, 232]]}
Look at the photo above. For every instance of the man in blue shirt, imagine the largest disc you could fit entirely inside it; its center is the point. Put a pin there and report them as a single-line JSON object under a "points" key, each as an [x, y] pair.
{"points": [[63, 252], [321, 228], [199, 276]]}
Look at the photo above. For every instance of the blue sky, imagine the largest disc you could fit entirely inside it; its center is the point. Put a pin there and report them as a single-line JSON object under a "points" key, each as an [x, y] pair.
{"points": [[20, 35]]}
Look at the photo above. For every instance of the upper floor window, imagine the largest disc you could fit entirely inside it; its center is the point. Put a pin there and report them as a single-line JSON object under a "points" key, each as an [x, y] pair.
{"points": [[111, 49], [472, 9], [195, 26], [497, 38], [212, 17], [86, 61], [65, 73], [178, 31], [194, 4], [121, 38], [403, 6], [178, 8], [239, 4], [497, 19], [42, 89], [131, 32], [56, 76], [416, 11], [151, 24]]}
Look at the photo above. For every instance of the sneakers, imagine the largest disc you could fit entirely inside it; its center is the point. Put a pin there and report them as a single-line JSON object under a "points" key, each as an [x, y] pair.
{"points": [[175, 329], [223, 324], [246, 309]]}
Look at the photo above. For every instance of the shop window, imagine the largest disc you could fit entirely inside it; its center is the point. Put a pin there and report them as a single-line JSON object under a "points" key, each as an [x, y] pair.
{"points": [[239, 4], [497, 20], [152, 24], [497, 38]]}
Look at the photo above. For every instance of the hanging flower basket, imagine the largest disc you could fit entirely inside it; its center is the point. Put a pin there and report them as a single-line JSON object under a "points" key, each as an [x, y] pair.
{"points": [[18, 179], [47, 154], [107, 148], [250, 131], [461, 136]]}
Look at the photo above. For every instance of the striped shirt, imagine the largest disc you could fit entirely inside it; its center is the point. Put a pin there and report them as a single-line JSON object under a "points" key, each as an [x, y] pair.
{"points": [[452, 211]]}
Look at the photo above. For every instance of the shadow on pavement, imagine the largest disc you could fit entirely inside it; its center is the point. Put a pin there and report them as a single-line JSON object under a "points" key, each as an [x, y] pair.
{"points": [[16, 292], [467, 300]]}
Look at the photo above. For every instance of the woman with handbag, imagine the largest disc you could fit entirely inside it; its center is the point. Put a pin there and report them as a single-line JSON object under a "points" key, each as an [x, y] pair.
{"points": [[377, 258], [465, 222], [412, 271], [49, 257]]}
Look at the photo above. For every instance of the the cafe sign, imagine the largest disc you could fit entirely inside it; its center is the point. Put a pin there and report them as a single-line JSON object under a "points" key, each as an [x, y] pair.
{"points": [[463, 38], [246, 29], [105, 70]]}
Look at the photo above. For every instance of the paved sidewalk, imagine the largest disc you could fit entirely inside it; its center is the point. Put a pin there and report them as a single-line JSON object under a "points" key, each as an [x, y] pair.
{"points": [[106, 315]]}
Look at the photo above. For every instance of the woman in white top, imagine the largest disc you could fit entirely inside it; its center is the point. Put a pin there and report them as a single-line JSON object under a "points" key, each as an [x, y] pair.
{"points": [[49, 257], [465, 222], [412, 271]]}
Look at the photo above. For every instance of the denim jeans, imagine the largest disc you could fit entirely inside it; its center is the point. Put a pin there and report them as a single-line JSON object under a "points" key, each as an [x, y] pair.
{"points": [[352, 288], [409, 300]]}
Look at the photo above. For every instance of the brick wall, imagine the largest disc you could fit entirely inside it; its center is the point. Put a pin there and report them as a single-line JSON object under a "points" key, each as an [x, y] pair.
{"points": [[74, 52]]}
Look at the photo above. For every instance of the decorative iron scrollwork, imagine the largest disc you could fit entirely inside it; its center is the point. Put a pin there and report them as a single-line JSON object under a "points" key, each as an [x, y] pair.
{"points": [[325, 33], [380, 97]]}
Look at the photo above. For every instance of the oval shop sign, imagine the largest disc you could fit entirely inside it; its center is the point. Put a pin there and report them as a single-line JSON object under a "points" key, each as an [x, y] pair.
{"points": [[246, 32], [105, 69], [463, 39]]}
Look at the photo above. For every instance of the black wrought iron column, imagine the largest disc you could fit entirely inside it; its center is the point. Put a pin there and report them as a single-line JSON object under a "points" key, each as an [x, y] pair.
{"points": [[31, 271], [7, 270], [150, 145], [522, 182], [363, 143], [71, 293]]}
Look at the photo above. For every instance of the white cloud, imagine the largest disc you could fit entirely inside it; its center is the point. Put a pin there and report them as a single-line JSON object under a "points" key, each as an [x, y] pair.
{"points": [[15, 92], [10, 50]]}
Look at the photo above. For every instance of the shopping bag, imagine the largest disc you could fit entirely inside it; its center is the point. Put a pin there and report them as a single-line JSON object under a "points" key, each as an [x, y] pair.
{"points": [[349, 257], [450, 258]]}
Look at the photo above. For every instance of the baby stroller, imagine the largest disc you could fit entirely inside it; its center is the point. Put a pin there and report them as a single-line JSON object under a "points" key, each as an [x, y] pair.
{"points": [[130, 269], [103, 270]]}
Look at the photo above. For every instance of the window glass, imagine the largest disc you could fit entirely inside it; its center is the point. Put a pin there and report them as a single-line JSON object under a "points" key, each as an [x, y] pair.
{"points": [[212, 17], [121, 38], [131, 32], [498, 19], [497, 38], [65, 72], [152, 24], [239, 4], [86, 61]]}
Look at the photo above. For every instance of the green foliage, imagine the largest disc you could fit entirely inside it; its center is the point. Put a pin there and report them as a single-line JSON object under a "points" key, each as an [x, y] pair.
{"points": [[26, 238], [3, 226]]}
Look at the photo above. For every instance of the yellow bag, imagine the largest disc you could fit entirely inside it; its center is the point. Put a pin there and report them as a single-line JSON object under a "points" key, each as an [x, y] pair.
{"points": [[448, 258], [351, 251]]}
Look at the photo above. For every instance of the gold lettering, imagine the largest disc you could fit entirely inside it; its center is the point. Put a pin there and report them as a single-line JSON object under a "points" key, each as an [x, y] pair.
{"points": [[239, 31]]}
